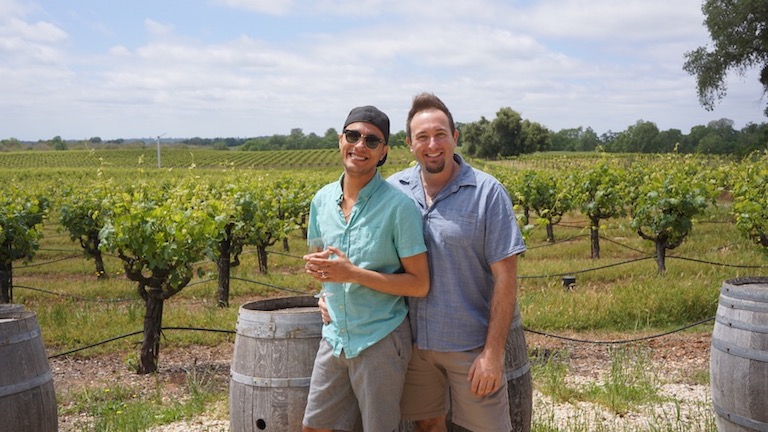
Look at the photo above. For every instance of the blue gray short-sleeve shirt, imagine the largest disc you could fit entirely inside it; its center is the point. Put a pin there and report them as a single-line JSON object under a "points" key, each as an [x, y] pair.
{"points": [[470, 225]]}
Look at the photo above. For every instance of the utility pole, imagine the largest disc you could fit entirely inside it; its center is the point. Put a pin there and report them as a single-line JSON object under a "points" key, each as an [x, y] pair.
{"points": [[158, 149]]}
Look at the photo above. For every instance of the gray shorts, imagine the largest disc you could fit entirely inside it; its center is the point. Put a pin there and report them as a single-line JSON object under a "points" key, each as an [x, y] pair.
{"points": [[426, 390], [342, 389]]}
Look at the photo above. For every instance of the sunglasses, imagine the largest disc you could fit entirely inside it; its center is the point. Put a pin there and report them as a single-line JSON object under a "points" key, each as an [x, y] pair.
{"points": [[371, 141]]}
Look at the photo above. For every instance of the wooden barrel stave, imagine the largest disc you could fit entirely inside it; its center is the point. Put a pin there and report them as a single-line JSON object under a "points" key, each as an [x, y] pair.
{"points": [[275, 348], [27, 396], [739, 356]]}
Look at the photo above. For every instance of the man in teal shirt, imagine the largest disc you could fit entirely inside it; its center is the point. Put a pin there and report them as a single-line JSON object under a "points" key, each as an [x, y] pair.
{"points": [[374, 256]]}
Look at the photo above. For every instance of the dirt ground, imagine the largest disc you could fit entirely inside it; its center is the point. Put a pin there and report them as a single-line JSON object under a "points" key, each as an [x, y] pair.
{"points": [[678, 358]]}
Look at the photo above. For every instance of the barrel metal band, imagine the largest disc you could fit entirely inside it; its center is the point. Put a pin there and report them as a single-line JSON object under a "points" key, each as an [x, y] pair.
{"points": [[20, 337], [252, 381], [741, 325], [744, 294], [26, 385], [270, 330], [743, 304], [517, 373], [738, 351], [740, 420]]}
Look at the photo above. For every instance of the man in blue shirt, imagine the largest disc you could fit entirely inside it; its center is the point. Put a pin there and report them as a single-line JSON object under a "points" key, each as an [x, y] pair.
{"points": [[460, 328], [374, 255]]}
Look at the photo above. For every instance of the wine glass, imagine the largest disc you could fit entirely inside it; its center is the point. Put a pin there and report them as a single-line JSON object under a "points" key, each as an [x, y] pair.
{"points": [[317, 245]]}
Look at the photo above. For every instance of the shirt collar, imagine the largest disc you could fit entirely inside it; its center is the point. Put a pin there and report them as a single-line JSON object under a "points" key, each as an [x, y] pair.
{"points": [[372, 186]]}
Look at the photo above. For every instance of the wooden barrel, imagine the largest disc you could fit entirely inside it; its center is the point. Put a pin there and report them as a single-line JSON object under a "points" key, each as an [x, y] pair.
{"points": [[27, 397], [8, 308], [519, 381], [739, 356], [275, 347]]}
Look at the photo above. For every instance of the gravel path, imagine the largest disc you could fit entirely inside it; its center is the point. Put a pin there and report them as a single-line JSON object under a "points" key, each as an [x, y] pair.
{"points": [[676, 359]]}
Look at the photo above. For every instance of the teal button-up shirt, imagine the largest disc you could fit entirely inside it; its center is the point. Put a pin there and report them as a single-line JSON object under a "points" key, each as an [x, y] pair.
{"points": [[384, 225]]}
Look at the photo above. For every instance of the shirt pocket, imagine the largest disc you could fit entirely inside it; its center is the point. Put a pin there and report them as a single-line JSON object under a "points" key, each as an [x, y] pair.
{"points": [[457, 227], [369, 246]]}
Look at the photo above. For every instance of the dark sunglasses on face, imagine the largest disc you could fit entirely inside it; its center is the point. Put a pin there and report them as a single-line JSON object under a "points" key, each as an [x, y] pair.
{"points": [[371, 141]]}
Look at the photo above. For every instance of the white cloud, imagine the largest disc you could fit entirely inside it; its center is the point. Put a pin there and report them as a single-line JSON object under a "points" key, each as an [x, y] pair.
{"points": [[273, 7], [157, 29], [280, 65]]}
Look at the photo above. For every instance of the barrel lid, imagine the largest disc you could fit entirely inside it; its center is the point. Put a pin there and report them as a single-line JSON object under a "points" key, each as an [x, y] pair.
{"points": [[301, 304], [9, 312], [753, 280]]}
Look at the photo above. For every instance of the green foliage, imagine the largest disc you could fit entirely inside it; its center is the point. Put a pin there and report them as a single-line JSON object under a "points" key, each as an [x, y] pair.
{"points": [[669, 195], [58, 143], [83, 213], [750, 205], [160, 231], [21, 217], [547, 193], [600, 191], [21, 214], [507, 135], [739, 30]]}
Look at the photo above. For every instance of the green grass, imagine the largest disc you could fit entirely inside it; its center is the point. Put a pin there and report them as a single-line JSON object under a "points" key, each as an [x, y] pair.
{"points": [[631, 386], [122, 408]]}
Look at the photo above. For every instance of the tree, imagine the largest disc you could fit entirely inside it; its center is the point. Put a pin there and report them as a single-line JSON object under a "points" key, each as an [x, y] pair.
{"points": [[397, 139], [600, 192], [295, 140], [330, 139], [750, 200], [159, 232], [21, 216], [551, 199], [58, 143], [522, 188], [503, 137], [641, 137], [269, 224], [668, 141], [473, 135], [752, 138], [588, 141], [534, 137], [235, 203], [739, 30], [566, 139], [83, 213], [671, 194], [507, 134]]}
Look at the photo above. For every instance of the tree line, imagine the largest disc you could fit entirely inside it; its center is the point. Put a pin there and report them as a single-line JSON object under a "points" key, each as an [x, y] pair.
{"points": [[507, 135]]}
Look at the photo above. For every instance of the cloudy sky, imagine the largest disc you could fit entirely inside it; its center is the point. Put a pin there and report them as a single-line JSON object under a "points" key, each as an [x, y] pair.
{"points": [[244, 68]]}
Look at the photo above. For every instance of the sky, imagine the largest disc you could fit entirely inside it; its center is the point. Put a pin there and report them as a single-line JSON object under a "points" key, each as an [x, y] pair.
{"points": [[80, 69]]}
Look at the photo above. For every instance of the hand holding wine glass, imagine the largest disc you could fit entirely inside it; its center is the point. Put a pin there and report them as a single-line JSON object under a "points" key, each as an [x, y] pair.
{"points": [[316, 245]]}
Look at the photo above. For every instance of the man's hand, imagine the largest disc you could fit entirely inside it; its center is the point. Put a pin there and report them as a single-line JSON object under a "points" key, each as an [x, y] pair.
{"points": [[330, 265], [324, 311], [486, 374]]}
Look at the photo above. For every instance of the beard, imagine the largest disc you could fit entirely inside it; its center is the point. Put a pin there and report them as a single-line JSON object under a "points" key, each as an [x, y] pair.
{"points": [[435, 168]]}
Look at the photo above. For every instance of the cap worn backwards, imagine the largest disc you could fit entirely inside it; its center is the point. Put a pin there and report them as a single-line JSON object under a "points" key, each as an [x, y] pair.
{"points": [[371, 114]]}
